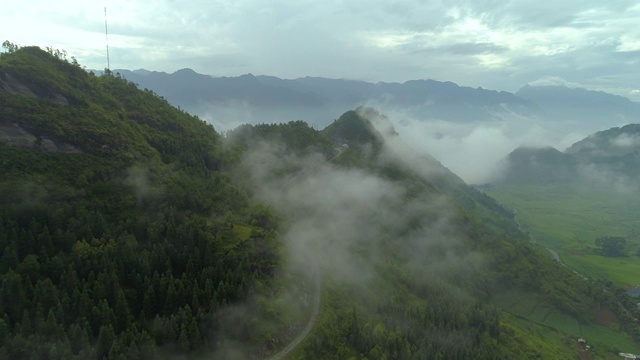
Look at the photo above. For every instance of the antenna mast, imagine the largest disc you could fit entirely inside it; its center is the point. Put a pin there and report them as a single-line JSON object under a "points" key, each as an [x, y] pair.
{"points": [[106, 36]]}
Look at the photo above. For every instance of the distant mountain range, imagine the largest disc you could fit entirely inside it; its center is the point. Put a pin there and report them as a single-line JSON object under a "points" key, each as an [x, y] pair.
{"points": [[564, 103], [229, 101], [610, 155]]}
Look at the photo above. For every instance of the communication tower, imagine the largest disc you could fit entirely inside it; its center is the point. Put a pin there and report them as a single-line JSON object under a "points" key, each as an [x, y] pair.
{"points": [[106, 36]]}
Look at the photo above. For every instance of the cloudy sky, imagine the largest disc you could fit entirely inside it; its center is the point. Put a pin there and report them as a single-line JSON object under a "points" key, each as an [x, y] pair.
{"points": [[495, 44]]}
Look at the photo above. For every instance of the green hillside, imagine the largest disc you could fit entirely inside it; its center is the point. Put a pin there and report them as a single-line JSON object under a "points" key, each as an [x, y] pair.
{"points": [[567, 219], [588, 221], [608, 157], [118, 223], [466, 270], [131, 229]]}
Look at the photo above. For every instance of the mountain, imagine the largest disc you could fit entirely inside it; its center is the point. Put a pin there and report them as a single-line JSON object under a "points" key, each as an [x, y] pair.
{"points": [[547, 164], [131, 229], [317, 100], [258, 99], [617, 141], [325, 98], [397, 235], [187, 89], [605, 155], [583, 106]]}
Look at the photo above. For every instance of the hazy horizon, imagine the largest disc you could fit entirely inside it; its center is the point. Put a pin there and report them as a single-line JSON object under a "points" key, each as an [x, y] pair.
{"points": [[497, 45]]}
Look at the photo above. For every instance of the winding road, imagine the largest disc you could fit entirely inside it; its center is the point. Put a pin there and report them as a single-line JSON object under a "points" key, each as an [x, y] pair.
{"points": [[555, 255], [315, 312]]}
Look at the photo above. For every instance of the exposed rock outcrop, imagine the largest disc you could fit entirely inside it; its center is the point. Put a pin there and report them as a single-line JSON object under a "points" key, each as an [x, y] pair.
{"points": [[14, 135], [14, 86]]}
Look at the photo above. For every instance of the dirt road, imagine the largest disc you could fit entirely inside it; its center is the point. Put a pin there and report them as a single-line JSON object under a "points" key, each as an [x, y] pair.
{"points": [[555, 255], [315, 311]]}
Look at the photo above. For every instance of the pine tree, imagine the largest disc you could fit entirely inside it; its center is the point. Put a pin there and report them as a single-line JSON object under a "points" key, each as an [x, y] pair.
{"points": [[183, 339], [12, 296], [105, 341]]}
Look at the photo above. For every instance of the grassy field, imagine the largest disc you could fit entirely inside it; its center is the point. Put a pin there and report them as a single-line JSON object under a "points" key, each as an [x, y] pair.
{"points": [[623, 271], [550, 344], [531, 313], [568, 219]]}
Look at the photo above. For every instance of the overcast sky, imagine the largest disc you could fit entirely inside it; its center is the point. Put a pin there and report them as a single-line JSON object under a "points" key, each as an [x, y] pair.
{"points": [[495, 44]]}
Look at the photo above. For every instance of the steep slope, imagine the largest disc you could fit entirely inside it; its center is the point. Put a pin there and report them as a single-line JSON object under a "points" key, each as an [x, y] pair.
{"points": [[410, 267], [568, 201], [121, 232], [617, 141], [539, 165]]}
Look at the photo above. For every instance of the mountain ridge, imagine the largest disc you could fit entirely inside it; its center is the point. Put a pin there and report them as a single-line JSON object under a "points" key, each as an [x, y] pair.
{"points": [[605, 155], [523, 90], [331, 97]]}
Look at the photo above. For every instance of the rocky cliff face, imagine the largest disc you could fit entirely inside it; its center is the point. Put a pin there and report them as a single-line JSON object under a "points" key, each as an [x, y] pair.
{"points": [[14, 86], [13, 134]]}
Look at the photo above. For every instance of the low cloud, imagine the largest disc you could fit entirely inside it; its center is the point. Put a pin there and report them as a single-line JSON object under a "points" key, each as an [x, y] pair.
{"points": [[475, 150], [626, 140], [229, 115], [349, 226], [612, 180], [553, 81], [344, 220], [139, 178], [334, 211]]}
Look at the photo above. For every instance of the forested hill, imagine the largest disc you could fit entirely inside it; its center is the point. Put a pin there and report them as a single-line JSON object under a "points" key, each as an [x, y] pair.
{"points": [[413, 260], [132, 230], [611, 155], [121, 233]]}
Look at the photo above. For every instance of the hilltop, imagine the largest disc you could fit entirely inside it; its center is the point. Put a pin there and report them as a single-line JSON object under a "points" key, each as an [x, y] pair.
{"points": [[406, 237], [608, 155]]}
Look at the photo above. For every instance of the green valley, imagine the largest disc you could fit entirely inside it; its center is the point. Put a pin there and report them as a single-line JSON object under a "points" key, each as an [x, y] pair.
{"points": [[569, 218], [582, 211]]}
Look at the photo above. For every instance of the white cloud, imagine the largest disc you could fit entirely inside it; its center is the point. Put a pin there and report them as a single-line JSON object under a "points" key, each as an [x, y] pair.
{"points": [[493, 60], [516, 42], [554, 81], [626, 140], [475, 150], [343, 220], [628, 43]]}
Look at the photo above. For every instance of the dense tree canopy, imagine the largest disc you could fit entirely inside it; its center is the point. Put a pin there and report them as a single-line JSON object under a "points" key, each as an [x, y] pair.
{"points": [[613, 246], [124, 234]]}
